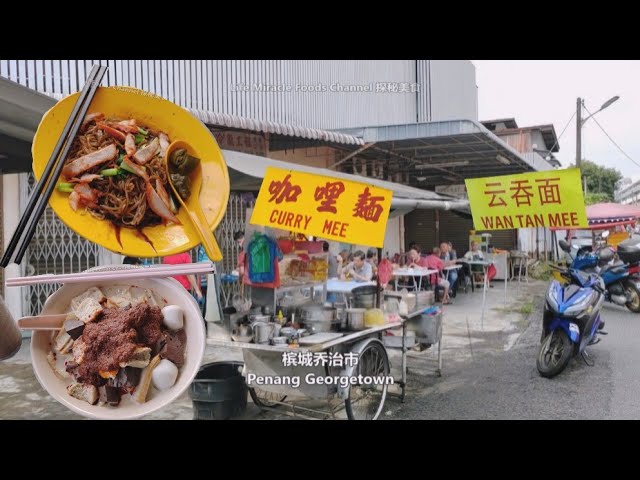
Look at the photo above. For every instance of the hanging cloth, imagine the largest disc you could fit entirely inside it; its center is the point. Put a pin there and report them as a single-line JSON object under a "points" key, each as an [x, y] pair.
{"points": [[262, 258]]}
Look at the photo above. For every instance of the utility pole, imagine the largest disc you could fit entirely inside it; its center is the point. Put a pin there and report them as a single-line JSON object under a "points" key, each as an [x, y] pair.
{"points": [[578, 132]]}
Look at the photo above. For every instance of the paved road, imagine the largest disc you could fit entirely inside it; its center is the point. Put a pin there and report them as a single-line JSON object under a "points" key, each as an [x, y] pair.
{"points": [[506, 385], [623, 343], [494, 384]]}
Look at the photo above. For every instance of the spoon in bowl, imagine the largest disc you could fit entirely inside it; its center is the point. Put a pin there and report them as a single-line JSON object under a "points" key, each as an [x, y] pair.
{"points": [[192, 203]]}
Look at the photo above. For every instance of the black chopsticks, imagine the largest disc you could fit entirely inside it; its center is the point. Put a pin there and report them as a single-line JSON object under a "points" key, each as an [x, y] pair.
{"points": [[47, 182]]}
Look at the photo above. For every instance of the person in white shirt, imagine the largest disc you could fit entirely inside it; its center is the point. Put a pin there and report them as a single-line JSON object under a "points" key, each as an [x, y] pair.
{"points": [[475, 253]]}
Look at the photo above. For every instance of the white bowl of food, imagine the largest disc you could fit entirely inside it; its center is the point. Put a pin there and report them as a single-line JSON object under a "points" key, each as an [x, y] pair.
{"points": [[120, 354]]}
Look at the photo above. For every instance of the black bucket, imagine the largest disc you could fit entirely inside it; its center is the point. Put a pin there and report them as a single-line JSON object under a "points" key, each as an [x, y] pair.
{"points": [[219, 391]]}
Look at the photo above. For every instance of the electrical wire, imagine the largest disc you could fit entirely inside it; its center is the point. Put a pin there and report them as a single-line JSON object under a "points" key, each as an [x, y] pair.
{"points": [[562, 133], [611, 139]]}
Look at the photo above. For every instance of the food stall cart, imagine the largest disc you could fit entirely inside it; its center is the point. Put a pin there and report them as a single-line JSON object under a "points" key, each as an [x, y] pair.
{"points": [[317, 366], [313, 377], [312, 371], [343, 365], [322, 376]]}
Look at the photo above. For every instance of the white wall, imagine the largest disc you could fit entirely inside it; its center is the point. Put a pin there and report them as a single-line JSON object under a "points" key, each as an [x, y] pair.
{"points": [[454, 94], [527, 240], [537, 139], [393, 238]]}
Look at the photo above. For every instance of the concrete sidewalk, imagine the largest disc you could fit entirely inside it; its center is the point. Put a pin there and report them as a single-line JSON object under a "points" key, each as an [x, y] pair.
{"points": [[464, 331], [464, 338]]}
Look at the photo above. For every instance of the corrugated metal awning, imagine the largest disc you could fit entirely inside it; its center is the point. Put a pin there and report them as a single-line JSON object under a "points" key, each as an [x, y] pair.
{"points": [[233, 121], [247, 171], [21, 109], [467, 145]]}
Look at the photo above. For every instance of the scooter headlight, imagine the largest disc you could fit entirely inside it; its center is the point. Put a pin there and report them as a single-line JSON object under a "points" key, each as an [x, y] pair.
{"points": [[579, 306]]}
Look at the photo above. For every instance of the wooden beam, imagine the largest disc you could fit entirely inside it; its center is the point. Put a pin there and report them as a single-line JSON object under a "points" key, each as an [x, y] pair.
{"points": [[352, 154]]}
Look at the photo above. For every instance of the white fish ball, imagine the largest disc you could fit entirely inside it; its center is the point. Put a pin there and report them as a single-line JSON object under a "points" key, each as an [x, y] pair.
{"points": [[173, 317], [164, 376]]}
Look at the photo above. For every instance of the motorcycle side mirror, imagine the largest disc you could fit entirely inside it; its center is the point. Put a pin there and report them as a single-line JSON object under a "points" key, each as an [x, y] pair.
{"points": [[564, 246], [605, 234]]}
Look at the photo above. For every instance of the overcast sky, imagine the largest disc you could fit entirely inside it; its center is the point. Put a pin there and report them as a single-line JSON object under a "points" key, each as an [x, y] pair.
{"points": [[544, 91]]}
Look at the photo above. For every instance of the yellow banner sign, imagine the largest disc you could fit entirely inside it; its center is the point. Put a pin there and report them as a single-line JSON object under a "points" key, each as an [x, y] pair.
{"points": [[540, 199], [326, 207]]}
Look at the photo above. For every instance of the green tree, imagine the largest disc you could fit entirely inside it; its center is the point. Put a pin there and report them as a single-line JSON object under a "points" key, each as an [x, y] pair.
{"points": [[593, 198], [600, 180]]}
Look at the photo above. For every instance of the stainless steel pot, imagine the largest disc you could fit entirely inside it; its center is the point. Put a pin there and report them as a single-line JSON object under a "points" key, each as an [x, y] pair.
{"points": [[259, 318], [355, 319], [317, 313], [262, 332], [317, 318]]}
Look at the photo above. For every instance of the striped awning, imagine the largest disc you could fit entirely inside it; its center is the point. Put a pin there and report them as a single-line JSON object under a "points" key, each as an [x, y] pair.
{"points": [[610, 220], [607, 214]]}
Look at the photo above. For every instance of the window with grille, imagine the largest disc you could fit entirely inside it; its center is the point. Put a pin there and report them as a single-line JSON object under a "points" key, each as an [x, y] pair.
{"points": [[54, 249], [233, 221]]}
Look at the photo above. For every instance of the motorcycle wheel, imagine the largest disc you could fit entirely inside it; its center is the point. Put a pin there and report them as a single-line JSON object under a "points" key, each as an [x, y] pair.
{"points": [[632, 291], [554, 354]]}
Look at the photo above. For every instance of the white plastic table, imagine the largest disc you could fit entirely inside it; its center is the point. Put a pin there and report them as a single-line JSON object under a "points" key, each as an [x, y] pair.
{"points": [[451, 267], [413, 272]]}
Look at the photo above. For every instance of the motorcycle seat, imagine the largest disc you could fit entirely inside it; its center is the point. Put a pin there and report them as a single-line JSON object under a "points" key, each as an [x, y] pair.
{"points": [[617, 268]]}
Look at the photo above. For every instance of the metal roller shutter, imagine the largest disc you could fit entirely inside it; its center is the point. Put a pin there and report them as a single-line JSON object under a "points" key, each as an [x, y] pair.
{"points": [[455, 229], [504, 239], [420, 226]]}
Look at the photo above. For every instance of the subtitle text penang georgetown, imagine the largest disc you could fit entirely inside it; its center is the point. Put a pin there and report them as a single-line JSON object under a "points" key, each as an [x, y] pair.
{"points": [[295, 381]]}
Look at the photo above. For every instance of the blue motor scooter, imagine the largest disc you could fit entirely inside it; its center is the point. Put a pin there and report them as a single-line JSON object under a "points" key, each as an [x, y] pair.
{"points": [[621, 281], [571, 320]]}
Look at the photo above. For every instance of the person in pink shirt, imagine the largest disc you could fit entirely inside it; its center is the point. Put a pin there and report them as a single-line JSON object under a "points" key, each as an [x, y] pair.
{"points": [[187, 281], [433, 262]]}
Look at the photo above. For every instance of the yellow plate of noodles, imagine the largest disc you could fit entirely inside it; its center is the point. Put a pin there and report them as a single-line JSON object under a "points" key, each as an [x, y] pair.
{"points": [[154, 114]]}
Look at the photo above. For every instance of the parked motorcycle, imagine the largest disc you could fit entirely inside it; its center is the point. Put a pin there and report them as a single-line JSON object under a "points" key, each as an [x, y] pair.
{"points": [[620, 277], [571, 320]]}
